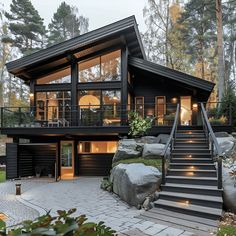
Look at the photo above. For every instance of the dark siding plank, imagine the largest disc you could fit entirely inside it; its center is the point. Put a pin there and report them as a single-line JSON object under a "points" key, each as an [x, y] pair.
{"points": [[11, 161]]}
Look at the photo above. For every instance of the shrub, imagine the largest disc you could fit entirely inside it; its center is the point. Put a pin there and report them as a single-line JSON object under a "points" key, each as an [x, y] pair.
{"points": [[139, 125], [62, 224], [106, 184], [226, 230]]}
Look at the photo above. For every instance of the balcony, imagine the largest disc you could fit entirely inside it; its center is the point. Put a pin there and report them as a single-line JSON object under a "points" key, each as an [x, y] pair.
{"points": [[110, 116]]}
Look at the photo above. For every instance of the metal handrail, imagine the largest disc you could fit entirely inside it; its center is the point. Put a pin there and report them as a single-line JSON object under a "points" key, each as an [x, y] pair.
{"points": [[170, 143], [212, 143]]}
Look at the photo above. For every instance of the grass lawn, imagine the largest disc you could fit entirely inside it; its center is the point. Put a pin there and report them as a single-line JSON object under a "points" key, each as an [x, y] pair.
{"points": [[2, 176], [227, 230], [148, 162]]}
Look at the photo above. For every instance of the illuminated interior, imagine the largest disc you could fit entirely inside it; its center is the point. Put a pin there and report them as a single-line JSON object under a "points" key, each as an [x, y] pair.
{"points": [[97, 147], [186, 110]]}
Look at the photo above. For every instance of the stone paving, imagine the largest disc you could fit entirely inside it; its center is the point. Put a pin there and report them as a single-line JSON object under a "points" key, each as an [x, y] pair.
{"points": [[39, 196]]}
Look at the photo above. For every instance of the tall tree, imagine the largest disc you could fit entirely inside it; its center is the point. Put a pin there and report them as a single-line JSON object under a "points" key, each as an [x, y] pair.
{"points": [[162, 40], [220, 51], [66, 24], [26, 26]]}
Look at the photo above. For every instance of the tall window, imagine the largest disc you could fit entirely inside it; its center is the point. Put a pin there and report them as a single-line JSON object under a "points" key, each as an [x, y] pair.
{"points": [[102, 68], [53, 106], [59, 77]]}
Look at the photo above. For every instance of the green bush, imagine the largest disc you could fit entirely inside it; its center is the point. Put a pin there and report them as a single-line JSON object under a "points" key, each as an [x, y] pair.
{"points": [[62, 224], [226, 230], [139, 125]]}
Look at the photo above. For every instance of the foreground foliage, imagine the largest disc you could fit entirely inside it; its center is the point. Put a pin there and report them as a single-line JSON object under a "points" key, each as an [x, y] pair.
{"points": [[62, 224], [148, 162], [2, 176], [227, 230]]}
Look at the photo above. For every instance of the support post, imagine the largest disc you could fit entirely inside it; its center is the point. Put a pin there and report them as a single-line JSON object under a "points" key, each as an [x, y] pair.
{"points": [[220, 172], [74, 82], [163, 170]]}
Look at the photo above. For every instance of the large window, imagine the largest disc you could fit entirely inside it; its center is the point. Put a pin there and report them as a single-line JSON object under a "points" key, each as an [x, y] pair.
{"points": [[102, 68], [53, 107], [98, 147], [62, 76], [99, 107]]}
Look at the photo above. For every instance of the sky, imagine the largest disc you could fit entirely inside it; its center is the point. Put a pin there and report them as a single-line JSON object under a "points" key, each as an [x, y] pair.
{"points": [[99, 12]]}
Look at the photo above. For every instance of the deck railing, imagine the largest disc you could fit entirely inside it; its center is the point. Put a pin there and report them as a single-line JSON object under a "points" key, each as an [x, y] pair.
{"points": [[213, 144], [84, 115], [170, 143]]}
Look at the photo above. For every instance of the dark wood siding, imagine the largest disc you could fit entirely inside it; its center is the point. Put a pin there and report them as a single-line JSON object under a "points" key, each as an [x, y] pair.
{"points": [[32, 155], [95, 164], [12, 165]]}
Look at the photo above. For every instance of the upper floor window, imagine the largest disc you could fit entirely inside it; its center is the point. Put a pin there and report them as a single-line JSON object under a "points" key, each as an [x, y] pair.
{"points": [[102, 68], [59, 77]]}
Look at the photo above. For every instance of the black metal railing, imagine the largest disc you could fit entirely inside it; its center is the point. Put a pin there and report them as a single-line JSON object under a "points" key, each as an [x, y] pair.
{"points": [[170, 143], [84, 115], [216, 151]]}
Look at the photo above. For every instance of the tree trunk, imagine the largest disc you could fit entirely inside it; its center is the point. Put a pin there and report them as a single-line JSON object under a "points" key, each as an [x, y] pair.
{"points": [[221, 69]]}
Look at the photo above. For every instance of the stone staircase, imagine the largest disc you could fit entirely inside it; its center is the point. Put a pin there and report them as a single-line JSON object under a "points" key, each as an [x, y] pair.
{"points": [[191, 186]]}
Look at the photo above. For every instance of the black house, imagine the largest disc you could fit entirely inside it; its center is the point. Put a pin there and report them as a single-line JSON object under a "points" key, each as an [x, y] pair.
{"points": [[81, 91]]}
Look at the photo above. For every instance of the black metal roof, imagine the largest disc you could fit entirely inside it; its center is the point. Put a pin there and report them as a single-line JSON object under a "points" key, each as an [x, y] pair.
{"points": [[126, 30], [171, 74]]}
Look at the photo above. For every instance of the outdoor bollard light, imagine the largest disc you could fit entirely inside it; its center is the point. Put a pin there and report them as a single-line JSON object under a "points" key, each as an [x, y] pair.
{"points": [[18, 189]]}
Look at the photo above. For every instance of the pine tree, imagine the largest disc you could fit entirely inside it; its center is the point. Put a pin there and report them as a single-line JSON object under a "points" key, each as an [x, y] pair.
{"points": [[26, 26], [65, 24]]}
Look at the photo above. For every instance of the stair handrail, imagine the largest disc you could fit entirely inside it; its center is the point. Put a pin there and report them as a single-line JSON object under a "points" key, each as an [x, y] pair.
{"points": [[213, 143], [170, 143]]}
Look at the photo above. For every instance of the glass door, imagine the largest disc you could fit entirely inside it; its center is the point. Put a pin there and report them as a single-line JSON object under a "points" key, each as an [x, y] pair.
{"points": [[160, 109], [67, 159], [186, 110]]}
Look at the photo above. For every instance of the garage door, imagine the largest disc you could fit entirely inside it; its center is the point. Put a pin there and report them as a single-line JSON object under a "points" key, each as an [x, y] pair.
{"points": [[95, 164]]}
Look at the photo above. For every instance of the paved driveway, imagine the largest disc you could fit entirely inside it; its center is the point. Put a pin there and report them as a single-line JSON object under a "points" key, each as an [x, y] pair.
{"points": [[84, 194]]}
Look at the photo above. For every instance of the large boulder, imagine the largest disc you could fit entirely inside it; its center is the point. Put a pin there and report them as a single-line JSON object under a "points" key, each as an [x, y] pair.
{"points": [[151, 151], [163, 138], [222, 134], [229, 186], [226, 143], [127, 149], [134, 182], [147, 139]]}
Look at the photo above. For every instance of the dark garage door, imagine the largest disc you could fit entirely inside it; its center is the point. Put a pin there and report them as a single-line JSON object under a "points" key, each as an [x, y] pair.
{"points": [[95, 164]]}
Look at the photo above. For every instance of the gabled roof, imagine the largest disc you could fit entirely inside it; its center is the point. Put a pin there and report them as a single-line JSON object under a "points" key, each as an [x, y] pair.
{"points": [[171, 74], [124, 31]]}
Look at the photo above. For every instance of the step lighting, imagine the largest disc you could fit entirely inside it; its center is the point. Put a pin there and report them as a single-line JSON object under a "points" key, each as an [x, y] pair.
{"points": [[190, 156], [190, 132], [184, 203], [192, 167], [190, 173], [190, 141]]}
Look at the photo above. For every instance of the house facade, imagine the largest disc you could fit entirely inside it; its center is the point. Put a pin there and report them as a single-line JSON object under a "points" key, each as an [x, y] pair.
{"points": [[81, 91]]}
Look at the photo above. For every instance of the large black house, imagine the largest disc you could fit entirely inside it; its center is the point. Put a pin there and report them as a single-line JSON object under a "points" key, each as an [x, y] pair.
{"points": [[81, 91]]}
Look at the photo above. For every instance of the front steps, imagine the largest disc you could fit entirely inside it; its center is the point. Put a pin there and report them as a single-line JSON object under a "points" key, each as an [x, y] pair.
{"points": [[191, 179]]}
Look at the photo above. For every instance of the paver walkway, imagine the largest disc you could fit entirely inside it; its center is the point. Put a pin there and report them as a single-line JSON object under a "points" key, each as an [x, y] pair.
{"points": [[85, 195]]}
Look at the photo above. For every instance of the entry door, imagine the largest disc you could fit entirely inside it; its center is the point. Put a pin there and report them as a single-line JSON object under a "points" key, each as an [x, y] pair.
{"points": [[67, 159], [186, 110], [160, 109]]}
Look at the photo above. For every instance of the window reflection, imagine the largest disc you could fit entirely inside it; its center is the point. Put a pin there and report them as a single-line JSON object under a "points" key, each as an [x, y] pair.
{"points": [[60, 77], [103, 68]]}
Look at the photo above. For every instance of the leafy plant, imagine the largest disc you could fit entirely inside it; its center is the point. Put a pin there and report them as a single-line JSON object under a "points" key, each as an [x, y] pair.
{"points": [[106, 184], [218, 121], [62, 224], [139, 125], [226, 230]]}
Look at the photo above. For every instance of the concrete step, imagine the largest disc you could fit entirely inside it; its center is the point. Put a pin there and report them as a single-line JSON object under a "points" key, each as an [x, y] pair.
{"points": [[196, 199], [192, 172], [190, 166], [191, 209], [194, 189], [192, 180]]}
